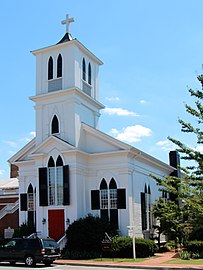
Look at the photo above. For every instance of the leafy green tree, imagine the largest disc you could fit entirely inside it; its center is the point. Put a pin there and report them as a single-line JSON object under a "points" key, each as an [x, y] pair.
{"points": [[183, 215]]}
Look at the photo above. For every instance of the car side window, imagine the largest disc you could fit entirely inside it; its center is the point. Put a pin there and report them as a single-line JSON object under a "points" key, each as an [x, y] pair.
{"points": [[10, 244]]}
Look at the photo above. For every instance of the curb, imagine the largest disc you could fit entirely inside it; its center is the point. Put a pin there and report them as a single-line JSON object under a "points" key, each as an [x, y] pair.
{"points": [[126, 266]]}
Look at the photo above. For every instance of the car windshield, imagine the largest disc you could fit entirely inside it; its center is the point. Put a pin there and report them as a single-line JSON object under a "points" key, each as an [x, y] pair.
{"points": [[50, 244]]}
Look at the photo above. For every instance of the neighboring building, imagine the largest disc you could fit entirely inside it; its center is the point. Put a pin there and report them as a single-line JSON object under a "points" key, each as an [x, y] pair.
{"points": [[71, 168], [9, 205]]}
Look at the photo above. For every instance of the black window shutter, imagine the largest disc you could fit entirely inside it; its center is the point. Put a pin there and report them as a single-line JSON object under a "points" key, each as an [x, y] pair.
{"points": [[143, 211], [66, 185], [104, 215], [95, 203], [23, 202], [121, 198], [43, 187], [114, 217]]}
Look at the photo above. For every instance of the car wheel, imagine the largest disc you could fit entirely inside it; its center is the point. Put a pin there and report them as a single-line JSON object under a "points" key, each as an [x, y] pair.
{"points": [[29, 260]]}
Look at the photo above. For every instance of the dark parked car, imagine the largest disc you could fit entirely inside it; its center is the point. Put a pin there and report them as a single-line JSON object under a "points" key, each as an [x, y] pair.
{"points": [[30, 251]]}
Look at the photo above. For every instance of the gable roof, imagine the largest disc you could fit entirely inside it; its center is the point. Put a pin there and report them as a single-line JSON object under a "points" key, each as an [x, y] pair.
{"points": [[117, 145], [93, 142]]}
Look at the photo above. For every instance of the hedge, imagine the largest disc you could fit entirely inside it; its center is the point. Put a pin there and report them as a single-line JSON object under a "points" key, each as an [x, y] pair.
{"points": [[195, 246], [123, 247]]}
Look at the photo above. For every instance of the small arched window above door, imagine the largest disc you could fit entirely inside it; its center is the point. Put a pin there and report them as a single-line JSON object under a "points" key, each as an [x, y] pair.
{"points": [[55, 125]]}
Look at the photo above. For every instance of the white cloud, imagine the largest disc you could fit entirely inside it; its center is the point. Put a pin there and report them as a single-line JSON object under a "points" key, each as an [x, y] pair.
{"points": [[119, 112], [28, 138], [2, 172], [113, 99], [166, 145], [142, 101], [199, 148], [11, 144], [132, 134], [32, 134]]}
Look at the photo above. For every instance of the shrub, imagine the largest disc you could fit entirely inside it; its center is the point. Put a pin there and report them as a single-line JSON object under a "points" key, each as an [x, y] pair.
{"points": [[84, 236], [195, 246], [171, 245], [24, 230], [185, 255], [123, 247], [197, 234]]}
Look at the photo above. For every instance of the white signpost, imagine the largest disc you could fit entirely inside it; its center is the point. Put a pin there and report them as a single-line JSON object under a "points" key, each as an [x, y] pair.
{"points": [[131, 230]]}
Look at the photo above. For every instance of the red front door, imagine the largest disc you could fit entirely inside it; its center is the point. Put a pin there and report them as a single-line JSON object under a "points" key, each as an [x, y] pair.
{"points": [[56, 224]]}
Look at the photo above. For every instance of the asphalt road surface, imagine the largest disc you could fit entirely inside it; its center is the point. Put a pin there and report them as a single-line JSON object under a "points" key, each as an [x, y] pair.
{"points": [[21, 266]]}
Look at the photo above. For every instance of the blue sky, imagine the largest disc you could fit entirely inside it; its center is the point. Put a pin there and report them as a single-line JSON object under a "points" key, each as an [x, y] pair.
{"points": [[152, 53]]}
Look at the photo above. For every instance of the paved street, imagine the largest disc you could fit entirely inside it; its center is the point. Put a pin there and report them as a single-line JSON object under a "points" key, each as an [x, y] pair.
{"points": [[20, 266]]}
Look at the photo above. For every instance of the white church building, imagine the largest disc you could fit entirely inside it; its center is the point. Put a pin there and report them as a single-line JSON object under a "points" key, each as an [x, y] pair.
{"points": [[71, 168]]}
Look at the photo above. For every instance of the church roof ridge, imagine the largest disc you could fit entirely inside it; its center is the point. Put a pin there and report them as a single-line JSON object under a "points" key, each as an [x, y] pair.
{"points": [[135, 151]]}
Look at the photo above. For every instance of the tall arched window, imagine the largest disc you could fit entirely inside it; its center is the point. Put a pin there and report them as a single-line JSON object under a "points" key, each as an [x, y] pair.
{"points": [[59, 178], [108, 199], [83, 69], [113, 194], [55, 181], [89, 74], [104, 194], [51, 181], [113, 203], [50, 68], [59, 66], [146, 209], [54, 125], [31, 205]]}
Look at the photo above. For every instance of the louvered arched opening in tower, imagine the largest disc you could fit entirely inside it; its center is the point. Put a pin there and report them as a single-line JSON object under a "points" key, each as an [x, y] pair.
{"points": [[59, 66], [83, 69], [50, 68], [55, 125], [89, 74]]}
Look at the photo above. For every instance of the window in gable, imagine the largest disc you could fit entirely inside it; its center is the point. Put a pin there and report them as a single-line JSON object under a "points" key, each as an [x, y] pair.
{"points": [[54, 125]]}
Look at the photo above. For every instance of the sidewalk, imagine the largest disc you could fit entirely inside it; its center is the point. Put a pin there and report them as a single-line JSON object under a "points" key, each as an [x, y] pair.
{"points": [[151, 263]]}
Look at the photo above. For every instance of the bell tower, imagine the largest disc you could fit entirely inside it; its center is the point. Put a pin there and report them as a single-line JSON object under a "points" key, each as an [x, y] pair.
{"points": [[67, 89]]}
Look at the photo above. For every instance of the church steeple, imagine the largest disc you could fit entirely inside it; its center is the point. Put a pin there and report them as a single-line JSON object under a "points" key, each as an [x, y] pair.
{"points": [[67, 85]]}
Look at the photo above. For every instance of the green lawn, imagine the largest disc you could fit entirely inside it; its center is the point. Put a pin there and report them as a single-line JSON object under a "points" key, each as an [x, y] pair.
{"points": [[179, 261]]}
